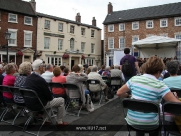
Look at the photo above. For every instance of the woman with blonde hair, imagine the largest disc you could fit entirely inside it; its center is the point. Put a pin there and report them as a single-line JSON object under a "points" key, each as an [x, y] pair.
{"points": [[147, 87]]}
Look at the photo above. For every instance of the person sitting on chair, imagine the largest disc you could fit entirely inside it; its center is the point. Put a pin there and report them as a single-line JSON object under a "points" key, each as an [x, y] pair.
{"points": [[38, 84], [147, 87], [48, 73]]}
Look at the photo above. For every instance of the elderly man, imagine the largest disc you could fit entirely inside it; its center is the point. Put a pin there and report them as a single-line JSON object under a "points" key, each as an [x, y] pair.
{"points": [[116, 73], [38, 84], [95, 88], [48, 73], [174, 80]]}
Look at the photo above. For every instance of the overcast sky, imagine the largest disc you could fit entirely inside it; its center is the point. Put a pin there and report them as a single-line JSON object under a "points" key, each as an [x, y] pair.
{"points": [[91, 8]]}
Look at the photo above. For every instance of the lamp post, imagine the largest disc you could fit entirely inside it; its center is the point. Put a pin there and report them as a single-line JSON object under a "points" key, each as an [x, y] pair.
{"points": [[7, 37]]}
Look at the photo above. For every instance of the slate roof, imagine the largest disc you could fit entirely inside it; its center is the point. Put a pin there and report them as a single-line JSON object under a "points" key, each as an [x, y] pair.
{"points": [[152, 12], [17, 6], [66, 20]]}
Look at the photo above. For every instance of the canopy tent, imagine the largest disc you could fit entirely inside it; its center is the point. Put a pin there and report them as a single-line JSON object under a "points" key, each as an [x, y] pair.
{"points": [[157, 45]]}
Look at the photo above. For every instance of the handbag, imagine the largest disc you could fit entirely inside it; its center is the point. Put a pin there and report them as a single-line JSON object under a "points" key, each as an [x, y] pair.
{"points": [[89, 104]]}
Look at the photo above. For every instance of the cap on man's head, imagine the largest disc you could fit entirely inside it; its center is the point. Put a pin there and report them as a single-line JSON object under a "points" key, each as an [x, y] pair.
{"points": [[36, 64]]}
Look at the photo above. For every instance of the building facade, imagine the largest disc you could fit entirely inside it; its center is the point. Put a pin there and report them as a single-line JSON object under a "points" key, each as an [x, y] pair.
{"points": [[121, 28], [18, 18], [66, 42]]}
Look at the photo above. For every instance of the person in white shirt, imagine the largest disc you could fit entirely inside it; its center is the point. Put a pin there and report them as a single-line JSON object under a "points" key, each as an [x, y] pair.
{"points": [[48, 73]]}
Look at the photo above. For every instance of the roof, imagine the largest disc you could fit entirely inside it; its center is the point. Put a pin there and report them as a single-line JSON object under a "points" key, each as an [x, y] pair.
{"points": [[17, 6], [66, 20], [152, 12]]}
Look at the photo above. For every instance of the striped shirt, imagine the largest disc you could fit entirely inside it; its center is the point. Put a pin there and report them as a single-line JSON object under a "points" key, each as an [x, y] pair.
{"points": [[148, 88]]}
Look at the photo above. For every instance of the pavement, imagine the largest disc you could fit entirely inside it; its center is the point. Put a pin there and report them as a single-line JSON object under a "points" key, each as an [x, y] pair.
{"points": [[107, 118]]}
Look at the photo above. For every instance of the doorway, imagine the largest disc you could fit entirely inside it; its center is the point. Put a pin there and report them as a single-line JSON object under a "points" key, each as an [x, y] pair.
{"points": [[72, 63]]}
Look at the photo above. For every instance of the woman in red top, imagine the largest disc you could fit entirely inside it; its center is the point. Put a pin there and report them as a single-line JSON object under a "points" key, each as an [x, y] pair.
{"points": [[9, 80], [59, 92]]}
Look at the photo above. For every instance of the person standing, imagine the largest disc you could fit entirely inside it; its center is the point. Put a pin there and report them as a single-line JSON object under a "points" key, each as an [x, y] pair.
{"points": [[131, 60]]}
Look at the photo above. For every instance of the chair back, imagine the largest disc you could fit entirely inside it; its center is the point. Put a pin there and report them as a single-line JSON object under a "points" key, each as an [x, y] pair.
{"points": [[94, 84], [141, 106], [178, 91], [104, 77], [5, 88], [31, 99], [55, 85], [72, 91], [15, 90], [172, 107], [116, 81]]}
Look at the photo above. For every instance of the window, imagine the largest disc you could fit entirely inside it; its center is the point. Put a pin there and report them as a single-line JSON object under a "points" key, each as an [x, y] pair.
{"points": [[72, 44], [178, 21], [57, 61], [72, 29], [149, 24], [13, 37], [82, 46], [135, 38], [28, 20], [28, 38], [163, 22], [111, 43], [60, 44], [178, 35], [89, 61], [46, 43], [122, 27], [110, 28], [92, 47], [82, 31], [60, 27], [121, 42], [135, 25], [92, 33], [47, 24], [12, 18]]}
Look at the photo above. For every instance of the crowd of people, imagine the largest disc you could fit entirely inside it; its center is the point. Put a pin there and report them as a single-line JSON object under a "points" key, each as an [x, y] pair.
{"points": [[150, 81]]}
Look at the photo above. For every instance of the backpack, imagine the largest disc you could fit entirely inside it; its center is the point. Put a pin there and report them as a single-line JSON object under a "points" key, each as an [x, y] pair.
{"points": [[127, 68], [110, 93]]}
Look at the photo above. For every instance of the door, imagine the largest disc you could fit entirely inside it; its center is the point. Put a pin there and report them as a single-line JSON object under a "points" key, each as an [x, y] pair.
{"points": [[72, 63]]}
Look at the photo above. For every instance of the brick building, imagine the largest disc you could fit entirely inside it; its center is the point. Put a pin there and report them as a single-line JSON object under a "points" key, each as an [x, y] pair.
{"points": [[19, 18], [121, 28]]}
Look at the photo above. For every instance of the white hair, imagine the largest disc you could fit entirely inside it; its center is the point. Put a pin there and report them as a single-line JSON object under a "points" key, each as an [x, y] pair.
{"points": [[116, 66], [1, 66], [36, 64], [81, 67]]}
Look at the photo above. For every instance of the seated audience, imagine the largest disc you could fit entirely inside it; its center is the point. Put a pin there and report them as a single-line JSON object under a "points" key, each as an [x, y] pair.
{"points": [[88, 70], [24, 71], [48, 73], [9, 80], [174, 80], [1, 81], [77, 78], [16, 73], [106, 72], [62, 68], [38, 84], [95, 88], [102, 69], [147, 87], [116, 73], [66, 71], [59, 92]]}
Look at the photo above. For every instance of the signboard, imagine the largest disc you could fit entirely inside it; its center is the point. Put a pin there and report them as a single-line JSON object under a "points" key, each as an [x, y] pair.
{"points": [[54, 35]]}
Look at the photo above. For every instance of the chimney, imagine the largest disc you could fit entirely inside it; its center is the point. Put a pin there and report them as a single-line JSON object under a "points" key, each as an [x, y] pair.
{"points": [[110, 8], [78, 18], [33, 4], [94, 21]]}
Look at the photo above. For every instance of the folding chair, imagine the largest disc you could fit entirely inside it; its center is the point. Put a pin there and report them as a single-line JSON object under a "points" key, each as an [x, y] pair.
{"points": [[9, 104], [174, 109], [178, 91], [94, 82], [55, 85], [116, 82], [73, 93], [141, 106], [31, 95]]}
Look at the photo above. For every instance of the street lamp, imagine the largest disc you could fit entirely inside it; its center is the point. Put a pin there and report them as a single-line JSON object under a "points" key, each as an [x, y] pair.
{"points": [[7, 37]]}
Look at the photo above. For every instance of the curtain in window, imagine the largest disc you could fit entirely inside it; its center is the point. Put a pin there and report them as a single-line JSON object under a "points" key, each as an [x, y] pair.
{"points": [[72, 44], [28, 39], [60, 41], [12, 38], [46, 43]]}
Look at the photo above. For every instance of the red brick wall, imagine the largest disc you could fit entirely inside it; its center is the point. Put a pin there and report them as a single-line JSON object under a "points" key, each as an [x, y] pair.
{"points": [[142, 31], [4, 24]]}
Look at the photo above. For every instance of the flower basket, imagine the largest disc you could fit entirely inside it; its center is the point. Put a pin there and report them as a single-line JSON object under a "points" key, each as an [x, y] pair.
{"points": [[83, 57], [19, 53], [38, 54], [65, 56]]}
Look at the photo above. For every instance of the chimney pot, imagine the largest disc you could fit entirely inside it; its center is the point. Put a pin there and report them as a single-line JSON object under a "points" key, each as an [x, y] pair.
{"points": [[78, 18], [93, 21], [33, 4], [110, 8]]}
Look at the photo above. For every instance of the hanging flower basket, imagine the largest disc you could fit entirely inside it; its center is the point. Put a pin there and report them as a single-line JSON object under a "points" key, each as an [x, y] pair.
{"points": [[19, 53], [83, 57], [38, 54], [65, 56]]}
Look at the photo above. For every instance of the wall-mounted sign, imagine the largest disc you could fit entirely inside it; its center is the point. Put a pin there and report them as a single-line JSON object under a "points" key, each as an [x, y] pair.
{"points": [[54, 35]]}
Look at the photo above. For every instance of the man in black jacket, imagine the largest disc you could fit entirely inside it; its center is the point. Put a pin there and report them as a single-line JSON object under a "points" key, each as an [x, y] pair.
{"points": [[38, 84]]}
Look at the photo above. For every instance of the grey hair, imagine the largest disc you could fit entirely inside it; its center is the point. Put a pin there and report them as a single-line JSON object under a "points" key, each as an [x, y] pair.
{"points": [[108, 68], [48, 66], [81, 67], [94, 69], [173, 66], [116, 66], [25, 68], [36, 64]]}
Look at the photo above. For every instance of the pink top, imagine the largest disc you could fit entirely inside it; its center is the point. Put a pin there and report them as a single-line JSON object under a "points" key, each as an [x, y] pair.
{"points": [[9, 81], [60, 79]]}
